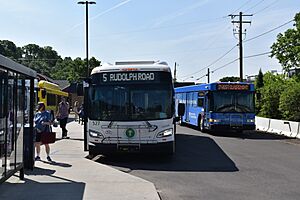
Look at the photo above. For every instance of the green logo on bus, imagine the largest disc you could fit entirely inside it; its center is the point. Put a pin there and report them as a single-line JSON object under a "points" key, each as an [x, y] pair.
{"points": [[130, 132]]}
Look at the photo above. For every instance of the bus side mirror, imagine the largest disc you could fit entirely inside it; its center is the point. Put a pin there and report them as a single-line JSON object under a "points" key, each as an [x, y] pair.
{"points": [[176, 119], [44, 94], [181, 109]]}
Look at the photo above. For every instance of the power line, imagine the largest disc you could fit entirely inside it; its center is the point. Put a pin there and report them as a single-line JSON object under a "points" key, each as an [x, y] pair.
{"points": [[254, 5], [40, 59], [225, 65], [268, 6], [269, 31], [260, 54], [241, 6], [212, 62], [160, 27]]}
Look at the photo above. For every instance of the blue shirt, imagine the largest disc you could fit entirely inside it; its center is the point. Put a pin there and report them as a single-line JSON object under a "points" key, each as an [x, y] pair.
{"points": [[40, 117]]}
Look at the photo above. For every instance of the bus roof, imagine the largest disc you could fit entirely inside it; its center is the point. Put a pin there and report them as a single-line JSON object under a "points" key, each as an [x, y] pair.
{"points": [[132, 66], [211, 86], [52, 87]]}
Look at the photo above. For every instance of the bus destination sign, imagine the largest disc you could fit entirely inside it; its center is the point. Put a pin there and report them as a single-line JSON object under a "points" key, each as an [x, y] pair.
{"points": [[128, 77], [131, 77], [233, 87]]}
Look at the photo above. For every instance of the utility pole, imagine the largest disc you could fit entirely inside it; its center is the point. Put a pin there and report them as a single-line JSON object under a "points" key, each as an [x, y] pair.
{"points": [[85, 106], [240, 33], [208, 74], [175, 80], [87, 31]]}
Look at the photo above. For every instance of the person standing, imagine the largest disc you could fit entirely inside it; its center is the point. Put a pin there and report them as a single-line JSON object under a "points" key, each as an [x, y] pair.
{"points": [[76, 110], [62, 115], [42, 120]]}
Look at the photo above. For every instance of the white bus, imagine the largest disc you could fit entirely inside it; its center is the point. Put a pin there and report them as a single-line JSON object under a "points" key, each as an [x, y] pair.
{"points": [[130, 108]]}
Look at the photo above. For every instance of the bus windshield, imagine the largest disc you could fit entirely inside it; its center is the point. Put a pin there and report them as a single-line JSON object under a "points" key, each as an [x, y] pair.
{"points": [[130, 102], [232, 101]]}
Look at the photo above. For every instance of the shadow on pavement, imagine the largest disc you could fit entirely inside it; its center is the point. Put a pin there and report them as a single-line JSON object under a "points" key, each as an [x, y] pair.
{"points": [[193, 153], [60, 164], [40, 171], [46, 186], [42, 190], [252, 135]]}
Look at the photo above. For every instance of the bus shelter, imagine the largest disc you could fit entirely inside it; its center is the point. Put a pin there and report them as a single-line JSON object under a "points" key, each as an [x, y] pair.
{"points": [[16, 113]]}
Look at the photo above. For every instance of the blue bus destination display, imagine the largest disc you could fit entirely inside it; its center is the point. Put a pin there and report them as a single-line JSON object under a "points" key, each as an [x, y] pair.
{"points": [[233, 87]]}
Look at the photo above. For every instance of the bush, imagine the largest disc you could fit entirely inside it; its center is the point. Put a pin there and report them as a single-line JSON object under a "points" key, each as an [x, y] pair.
{"points": [[290, 100], [271, 91]]}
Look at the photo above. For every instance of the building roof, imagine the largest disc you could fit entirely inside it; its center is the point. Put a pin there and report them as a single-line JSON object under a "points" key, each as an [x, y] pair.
{"points": [[62, 83]]}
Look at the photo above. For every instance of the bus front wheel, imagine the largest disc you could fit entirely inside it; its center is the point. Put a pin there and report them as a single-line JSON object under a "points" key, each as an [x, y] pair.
{"points": [[201, 124]]}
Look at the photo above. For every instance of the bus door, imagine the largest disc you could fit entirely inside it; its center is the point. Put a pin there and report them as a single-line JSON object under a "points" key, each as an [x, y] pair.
{"points": [[206, 106], [187, 107]]}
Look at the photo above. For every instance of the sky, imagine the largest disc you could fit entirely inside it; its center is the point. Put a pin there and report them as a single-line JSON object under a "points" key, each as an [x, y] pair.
{"points": [[193, 33]]}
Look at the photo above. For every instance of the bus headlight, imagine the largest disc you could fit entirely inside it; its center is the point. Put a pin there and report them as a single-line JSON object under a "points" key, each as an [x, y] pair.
{"points": [[214, 120], [95, 134], [165, 133], [250, 120]]}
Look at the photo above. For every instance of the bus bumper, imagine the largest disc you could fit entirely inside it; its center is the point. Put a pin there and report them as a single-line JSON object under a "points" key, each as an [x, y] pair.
{"points": [[165, 147], [221, 127]]}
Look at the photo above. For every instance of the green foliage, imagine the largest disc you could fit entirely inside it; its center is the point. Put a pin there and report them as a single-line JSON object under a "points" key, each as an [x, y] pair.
{"points": [[273, 87], [230, 79], [259, 83], [46, 61], [290, 100], [10, 50], [287, 47]]}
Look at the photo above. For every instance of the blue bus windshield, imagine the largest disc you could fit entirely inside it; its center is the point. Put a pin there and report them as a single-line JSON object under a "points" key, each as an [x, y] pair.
{"points": [[232, 101], [130, 102]]}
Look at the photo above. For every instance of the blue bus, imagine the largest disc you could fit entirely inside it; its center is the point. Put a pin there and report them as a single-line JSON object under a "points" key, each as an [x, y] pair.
{"points": [[218, 106]]}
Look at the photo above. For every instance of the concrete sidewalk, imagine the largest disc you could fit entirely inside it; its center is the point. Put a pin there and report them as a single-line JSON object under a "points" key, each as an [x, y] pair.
{"points": [[72, 176]]}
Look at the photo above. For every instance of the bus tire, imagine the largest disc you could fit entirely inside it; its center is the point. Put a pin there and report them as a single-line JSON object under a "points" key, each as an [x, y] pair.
{"points": [[91, 155], [181, 123], [201, 124]]}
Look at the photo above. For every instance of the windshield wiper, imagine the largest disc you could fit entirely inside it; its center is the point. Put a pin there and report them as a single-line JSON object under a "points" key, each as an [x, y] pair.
{"points": [[224, 106], [243, 107], [150, 126]]}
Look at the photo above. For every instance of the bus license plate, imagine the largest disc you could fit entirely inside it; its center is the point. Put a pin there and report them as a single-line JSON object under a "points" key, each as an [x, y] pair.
{"points": [[129, 148]]}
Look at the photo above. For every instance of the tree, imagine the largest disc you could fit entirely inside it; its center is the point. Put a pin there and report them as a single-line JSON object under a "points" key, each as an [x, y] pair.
{"points": [[289, 100], [287, 47], [260, 80], [230, 79], [10, 50], [45, 60], [93, 62], [273, 87], [259, 83]]}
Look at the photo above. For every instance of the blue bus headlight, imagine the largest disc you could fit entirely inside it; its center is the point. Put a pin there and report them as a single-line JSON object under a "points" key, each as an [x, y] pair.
{"points": [[250, 120], [95, 134], [214, 120], [165, 133]]}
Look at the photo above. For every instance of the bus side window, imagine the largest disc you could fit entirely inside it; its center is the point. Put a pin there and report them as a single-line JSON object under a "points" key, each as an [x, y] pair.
{"points": [[200, 102], [43, 94]]}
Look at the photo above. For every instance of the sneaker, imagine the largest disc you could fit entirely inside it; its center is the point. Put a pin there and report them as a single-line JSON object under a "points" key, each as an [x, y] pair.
{"points": [[49, 159], [37, 158]]}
